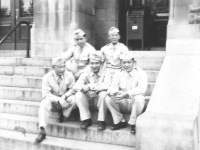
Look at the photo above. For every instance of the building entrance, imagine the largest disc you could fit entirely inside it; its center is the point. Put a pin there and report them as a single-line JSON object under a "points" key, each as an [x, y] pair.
{"points": [[12, 12], [144, 23]]}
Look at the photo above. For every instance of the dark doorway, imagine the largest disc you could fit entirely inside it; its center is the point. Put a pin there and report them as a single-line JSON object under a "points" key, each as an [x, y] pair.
{"points": [[12, 12], [151, 29]]}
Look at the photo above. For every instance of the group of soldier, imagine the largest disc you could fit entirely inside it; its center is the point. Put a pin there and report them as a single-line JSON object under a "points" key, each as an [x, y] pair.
{"points": [[109, 78]]}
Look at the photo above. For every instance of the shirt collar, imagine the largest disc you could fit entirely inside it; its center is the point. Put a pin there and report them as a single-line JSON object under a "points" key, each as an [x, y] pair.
{"points": [[132, 72], [56, 76], [99, 73]]}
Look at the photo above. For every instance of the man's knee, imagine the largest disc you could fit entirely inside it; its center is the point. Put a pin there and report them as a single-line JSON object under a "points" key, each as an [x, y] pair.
{"points": [[78, 96], [139, 99], [108, 100]]}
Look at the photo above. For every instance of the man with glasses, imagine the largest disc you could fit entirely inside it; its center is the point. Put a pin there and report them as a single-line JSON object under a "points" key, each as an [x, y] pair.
{"points": [[80, 50], [112, 51], [126, 93], [56, 93]]}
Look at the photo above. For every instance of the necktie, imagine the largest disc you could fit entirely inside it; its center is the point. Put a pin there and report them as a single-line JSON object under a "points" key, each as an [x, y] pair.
{"points": [[59, 80], [96, 78]]}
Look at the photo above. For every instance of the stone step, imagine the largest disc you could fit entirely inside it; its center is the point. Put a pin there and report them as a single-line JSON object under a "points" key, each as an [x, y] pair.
{"points": [[12, 53], [30, 108], [146, 64], [13, 140], [27, 94], [41, 71], [69, 130], [33, 94], [36, 82], [24, 70], [149, 54]]}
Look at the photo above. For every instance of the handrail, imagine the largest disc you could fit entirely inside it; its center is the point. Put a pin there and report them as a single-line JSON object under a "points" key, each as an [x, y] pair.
{"points": [[27, 38]]}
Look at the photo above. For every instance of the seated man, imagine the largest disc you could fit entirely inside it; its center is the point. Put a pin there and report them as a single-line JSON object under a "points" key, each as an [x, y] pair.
{"points": [[56, 90], [74, 56], [126, 93], [92, 86]]}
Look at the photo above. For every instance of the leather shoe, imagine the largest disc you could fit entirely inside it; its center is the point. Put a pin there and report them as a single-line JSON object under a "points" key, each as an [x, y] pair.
{"points": [[41, 137], [86, 124], [118, 126], [133, 131], [101, 125]]}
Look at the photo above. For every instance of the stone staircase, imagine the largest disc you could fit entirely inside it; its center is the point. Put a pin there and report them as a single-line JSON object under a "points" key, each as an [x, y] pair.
{"points": [[20, 96]]}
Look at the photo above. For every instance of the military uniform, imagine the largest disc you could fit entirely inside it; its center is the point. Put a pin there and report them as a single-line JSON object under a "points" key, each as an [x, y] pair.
{"points": [[112, 52], [100, 80], [53, 87], [74, 56], [135, 84]]}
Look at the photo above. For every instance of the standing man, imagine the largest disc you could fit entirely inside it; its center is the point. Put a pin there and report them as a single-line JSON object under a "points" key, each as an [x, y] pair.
{"points": [[56, 92], [113, 51], [92, 86], [81, 49], [126, 94]]}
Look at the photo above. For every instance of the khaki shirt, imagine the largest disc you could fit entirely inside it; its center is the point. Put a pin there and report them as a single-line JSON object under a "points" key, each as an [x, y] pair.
{"points": [[112, 54], [52, 90], [101, 80], [134, 82], [76, 52]]}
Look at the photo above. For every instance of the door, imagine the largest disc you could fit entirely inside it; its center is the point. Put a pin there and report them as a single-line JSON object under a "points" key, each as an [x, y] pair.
{"points": [[11, 13]]}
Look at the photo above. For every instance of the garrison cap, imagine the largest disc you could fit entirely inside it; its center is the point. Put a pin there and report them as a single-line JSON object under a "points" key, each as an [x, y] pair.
{"points": [[113, 30], [96, 56], [58, 61], [78, 33], [127, 55]]}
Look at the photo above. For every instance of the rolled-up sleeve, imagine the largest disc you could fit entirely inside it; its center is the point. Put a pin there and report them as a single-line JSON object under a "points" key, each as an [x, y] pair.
{"points": [[68, 54], [142, 85]]}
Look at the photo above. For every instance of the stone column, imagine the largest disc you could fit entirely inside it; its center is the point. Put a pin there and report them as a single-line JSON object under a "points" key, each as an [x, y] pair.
{"points": [[50, 34], [171, 121], [106, 17], [55, 22]]}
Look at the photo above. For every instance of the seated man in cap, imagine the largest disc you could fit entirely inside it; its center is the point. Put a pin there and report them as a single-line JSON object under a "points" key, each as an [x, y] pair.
{"points": [[92, 86], [56, 92], [113, 51], [81, 49], [126, 93]]}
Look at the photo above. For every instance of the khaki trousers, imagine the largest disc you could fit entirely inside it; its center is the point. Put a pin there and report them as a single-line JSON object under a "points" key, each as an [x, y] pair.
{"points": [[82, 101], [134, 106], [46, 106]]}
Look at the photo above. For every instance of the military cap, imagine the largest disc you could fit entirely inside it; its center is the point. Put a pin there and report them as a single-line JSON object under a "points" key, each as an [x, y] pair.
{"points": [[113, 30], [96, 56], [127, 55], [58, 61], [78, 33]]}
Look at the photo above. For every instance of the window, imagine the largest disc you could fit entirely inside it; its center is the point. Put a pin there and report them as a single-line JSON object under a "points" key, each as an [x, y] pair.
{"points": [[5, 11], [26, 8]]}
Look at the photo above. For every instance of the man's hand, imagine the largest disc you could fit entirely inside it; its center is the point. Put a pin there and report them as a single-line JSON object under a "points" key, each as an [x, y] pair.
{"points": [[85, 89], [121, 95], [113, 93], [92, 94]]}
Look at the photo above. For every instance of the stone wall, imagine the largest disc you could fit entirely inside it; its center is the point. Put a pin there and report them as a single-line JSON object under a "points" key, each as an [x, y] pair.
{"points": [[106, 17], [54, 23]]}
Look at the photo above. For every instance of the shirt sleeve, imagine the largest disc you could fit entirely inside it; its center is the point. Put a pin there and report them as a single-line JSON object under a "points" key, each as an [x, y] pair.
{"points": [[46, 91], [70, 86], [68, 54], [80, 83], [114, 83], [106, 81], [142, 85]]}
